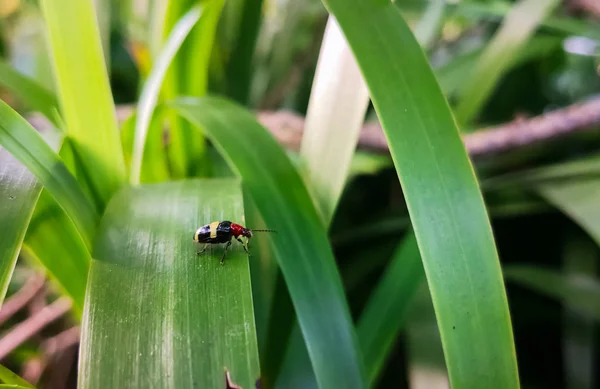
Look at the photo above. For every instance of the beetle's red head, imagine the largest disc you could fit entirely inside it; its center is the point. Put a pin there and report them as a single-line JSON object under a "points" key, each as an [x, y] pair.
{"points": [[237, 230]]}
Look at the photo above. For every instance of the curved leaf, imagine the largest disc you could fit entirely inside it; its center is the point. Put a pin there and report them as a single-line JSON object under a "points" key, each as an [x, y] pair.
{"points": [[442, 194], [12, 380], [85, 95], [19, 192], [301, 245], [29, 91], [177, 320], [27, 146], [149, 95]]}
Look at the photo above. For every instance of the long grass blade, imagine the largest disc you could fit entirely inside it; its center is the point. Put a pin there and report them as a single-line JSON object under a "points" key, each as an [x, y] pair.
{"points": [[300, 246], [29, 148], [55, 242], [19, 192], [388, 306], [442, 194], [336, 111], [30, 92], [518, 26], [149, 95], [177, 319], [12, 380], [84, 93], [580, 292]]}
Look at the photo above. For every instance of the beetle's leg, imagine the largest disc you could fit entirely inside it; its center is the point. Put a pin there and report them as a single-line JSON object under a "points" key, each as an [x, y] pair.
{"points": [[203, 249], [225, 252], [244, 246]]}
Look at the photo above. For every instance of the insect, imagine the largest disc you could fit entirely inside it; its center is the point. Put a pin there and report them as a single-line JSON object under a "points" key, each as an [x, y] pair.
{"points": [[223, 232]]}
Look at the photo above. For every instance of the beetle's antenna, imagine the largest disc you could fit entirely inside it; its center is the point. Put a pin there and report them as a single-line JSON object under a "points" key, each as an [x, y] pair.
{"points": [[263, 230]]}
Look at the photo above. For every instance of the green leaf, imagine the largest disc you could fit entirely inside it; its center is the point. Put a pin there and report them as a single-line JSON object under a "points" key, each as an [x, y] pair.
{"points": [[54, 241], [152, 86], [188, 75], [176, 319], [388, 306], [300, 246], [578, 199], [30, 92], [28, 147], [12, 380], [19, 192], [240, 62], [4, 386], [580, 292], [85, 95], [338, 102], [442, 194], [517, 27]]}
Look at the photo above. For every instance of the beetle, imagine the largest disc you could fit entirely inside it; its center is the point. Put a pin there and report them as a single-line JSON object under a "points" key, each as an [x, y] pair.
{"points": [[223, 232]]}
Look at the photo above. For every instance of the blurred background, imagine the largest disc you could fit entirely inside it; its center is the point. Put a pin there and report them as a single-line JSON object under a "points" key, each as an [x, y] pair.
{"points": [[534, 142]]}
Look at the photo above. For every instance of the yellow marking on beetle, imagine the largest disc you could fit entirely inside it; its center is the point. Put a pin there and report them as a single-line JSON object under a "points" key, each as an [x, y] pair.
{"points": [[213, 229]]}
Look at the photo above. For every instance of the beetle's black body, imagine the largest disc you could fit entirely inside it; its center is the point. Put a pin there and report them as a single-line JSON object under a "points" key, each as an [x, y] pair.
{"points": [[223, 232]]}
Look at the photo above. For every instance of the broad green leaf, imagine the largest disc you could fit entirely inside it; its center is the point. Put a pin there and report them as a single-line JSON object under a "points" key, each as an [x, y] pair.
{"points": [[84, 93], [19, 192], [300, 246], [580, 292], [54, 241], [338, 102], [387, 308], [30, 92], [28, 147], [8, 386], [442, 194], [517, 27], [149, 95], [12, 380], [176, 319]]}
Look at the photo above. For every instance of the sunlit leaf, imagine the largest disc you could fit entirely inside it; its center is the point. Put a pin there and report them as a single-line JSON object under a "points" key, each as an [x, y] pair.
{"points": [[157, 314]]}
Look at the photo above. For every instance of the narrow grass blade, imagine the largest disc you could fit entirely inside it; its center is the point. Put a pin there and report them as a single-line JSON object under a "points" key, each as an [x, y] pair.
{"points": [[300, 246], [176, 319], [497, 10], [388, 306], [30, 92], [579, 333], [19, 192], [85, 94], [336, 111], [149, 95], [580, 292], [241, 60], [9, 386], [452, 75], [28, 147], [12, 380], [577, 198], [54, 241], [188, 75], [518, 26], [442, 194]]}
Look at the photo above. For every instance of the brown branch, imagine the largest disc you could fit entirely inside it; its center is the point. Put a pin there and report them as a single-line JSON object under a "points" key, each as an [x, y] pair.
{"points": [[63, 340], [20, 299], [287, 128], [28, 328]]}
